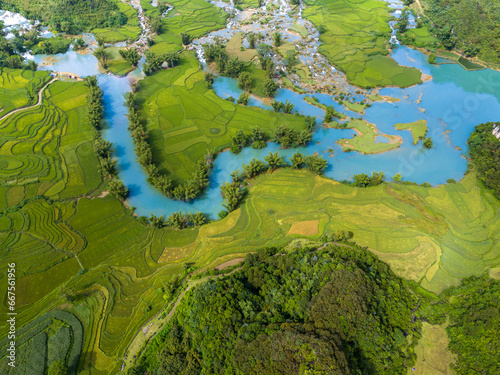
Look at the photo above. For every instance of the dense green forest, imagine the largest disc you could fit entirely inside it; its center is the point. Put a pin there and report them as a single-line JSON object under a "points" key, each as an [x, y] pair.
{"points": [[485, 152], [467, 25], [335, 309], [473, 310], [69, 16]]}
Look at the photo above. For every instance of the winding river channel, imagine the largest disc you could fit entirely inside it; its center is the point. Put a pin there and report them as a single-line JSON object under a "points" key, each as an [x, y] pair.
{"points": [[453, 102]]}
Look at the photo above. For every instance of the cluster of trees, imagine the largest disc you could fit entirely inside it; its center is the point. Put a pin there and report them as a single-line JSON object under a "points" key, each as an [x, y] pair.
{"points": [[363, 180], [485, 153], [330, 113], [286, 107], [335, 309], [101, 55], [177, 220], [229, 66], [103, 149], [10, 50], [70, 17], [473, 312], [283, 135], [130, 55], [52, 46], [470, 26], [186, 192], [154, 61]]}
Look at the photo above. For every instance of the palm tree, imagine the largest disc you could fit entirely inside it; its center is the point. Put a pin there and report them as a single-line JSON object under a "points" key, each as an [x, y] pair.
{"points": [[274, 161], [297, 160], [287, 106], [277, 39], [253, 168], [232, 195]]}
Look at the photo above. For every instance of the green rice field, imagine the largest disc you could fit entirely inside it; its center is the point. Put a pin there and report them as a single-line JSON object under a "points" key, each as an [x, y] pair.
{"points": [[19, 88], [195, 17], [356, 40]]}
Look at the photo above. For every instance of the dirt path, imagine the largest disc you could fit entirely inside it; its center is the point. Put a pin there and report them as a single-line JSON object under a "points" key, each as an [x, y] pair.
{"points": [[40, 93]]}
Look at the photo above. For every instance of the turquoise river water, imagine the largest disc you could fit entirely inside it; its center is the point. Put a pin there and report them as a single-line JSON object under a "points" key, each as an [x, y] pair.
{"points": [[452, 102]]}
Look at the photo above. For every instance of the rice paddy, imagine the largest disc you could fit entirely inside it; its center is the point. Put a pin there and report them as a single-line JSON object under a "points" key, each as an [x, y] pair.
{"points": [[19, 88], [355, 40]]}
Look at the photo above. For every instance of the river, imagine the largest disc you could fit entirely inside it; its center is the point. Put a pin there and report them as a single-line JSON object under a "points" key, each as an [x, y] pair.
{"points": [[453, 103]]}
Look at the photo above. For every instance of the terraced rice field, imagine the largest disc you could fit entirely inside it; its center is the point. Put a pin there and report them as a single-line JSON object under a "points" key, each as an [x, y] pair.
{"points": [[47, 150], [356, 40], [185, 119], [128, 32], [195, 17], [19, 88], [429, 235]]}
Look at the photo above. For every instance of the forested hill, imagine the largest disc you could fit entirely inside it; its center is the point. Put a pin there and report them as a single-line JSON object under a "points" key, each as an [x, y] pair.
{"points": [[470, 26], [69, 16], [332, 310], [485, 153]]}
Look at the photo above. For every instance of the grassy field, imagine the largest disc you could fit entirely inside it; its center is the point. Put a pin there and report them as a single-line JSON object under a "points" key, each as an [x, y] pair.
{"points": [[19, 88], [128, 32], [366, 140], [185, 119], [356, 39], [195, 17], [418, 129], [433, 356]]}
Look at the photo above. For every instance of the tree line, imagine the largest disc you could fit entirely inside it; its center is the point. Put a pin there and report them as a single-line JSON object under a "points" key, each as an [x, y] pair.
{"points": [[103, 148]]}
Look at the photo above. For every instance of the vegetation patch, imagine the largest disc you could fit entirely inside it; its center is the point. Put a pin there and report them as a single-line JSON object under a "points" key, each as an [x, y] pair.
{"points": [[247, 339], [366, 141], [418, 129]]}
